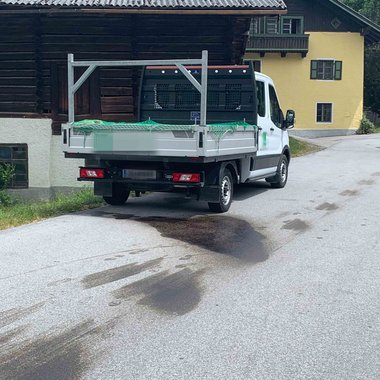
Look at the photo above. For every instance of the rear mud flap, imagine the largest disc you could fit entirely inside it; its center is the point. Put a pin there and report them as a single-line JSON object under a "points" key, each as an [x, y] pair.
{"points": [[209, 194]]}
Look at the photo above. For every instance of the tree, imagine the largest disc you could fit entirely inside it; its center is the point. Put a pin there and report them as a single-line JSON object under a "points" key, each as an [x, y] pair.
{"points": [[372, 78], [370, 9]]}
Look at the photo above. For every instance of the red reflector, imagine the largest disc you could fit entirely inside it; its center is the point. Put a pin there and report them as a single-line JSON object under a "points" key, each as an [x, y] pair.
{"points": [[91, 173], [186, 177]]}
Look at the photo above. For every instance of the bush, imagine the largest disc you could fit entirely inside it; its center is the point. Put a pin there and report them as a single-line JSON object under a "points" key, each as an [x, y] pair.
{"points": [[366, 127], [7, 171]]}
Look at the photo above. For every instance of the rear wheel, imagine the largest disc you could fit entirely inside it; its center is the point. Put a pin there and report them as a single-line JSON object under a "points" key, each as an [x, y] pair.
{"points": [[119, 196], [281, 177], [226, 189]]}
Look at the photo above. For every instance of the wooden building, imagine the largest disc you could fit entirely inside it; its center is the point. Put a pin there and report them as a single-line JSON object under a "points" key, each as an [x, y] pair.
{"points": [[37, 35]]}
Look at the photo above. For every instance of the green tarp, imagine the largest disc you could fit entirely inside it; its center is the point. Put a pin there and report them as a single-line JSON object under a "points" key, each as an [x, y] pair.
{"points": [[88, 126]]}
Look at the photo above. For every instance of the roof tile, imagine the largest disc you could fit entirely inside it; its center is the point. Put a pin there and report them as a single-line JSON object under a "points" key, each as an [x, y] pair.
{"points": [[249, 4]]}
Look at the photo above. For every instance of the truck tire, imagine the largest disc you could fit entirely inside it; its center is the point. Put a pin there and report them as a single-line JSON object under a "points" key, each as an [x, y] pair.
{"points": [[118, 198], [226, 190], [281, 177]]}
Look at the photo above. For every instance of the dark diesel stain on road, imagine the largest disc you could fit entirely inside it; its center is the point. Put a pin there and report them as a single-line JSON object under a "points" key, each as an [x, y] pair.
{"points": [[221, 234], [177, 293], [117, 273], [327, 206], [367, 182], [349, 193], [298, 225], [60, 357], [7, 317]]}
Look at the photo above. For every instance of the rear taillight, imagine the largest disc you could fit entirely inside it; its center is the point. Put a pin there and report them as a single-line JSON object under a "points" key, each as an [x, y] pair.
{"points": [[91, 173], [186, 177]]}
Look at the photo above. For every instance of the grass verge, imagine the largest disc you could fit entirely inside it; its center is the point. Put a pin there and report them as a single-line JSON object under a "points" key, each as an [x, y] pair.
{"points": [[300, 147], [19, 213]]}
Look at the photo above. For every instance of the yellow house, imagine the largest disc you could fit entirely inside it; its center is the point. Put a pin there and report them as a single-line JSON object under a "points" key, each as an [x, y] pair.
{"points": [[315, 55]]}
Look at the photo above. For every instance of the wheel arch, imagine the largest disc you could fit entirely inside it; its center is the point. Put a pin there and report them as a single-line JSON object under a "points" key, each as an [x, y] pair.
{"points": [[232, 167], [286, 152]]}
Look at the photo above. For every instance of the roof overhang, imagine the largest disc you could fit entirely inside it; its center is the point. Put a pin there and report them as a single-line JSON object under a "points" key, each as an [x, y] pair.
{"points": [[204, 7], [370, 30], [87, 10]]}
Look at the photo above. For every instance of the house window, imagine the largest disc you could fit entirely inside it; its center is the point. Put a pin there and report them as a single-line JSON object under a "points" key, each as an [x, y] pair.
{"points": [[275, 25], [256, 64], [16, 155], [292, 25], [326, 69], [324, 112], [264, 25]]}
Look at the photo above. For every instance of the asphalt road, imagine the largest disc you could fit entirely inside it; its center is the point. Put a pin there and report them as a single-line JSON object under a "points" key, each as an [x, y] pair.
{"points": [[284, 286]]}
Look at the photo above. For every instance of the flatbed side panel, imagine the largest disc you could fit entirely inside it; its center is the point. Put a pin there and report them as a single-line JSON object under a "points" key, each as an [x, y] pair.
{"points": [[162, 143]]}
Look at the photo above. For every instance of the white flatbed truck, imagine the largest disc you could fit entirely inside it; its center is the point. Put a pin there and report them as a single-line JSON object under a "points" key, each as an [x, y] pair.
{"points": [[202, 130]]}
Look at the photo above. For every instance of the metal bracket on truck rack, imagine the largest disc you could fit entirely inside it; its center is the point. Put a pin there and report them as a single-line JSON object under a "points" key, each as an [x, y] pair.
{"points": [[92, 65]]}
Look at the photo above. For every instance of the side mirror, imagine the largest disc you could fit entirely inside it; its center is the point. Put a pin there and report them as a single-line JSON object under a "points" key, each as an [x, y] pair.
{"points": [[290, 119]]}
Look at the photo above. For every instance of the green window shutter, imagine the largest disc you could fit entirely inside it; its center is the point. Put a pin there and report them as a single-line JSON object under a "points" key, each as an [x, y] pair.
{"points": [[313, 70], [338, 70]]}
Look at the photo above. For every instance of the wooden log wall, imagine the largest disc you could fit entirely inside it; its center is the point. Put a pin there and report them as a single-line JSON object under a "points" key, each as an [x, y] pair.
{"points": [[34, 48]]}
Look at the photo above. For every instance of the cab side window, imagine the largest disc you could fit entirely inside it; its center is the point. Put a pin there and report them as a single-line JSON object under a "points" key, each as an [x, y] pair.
{"points": [[260, 98], [275, 111]]}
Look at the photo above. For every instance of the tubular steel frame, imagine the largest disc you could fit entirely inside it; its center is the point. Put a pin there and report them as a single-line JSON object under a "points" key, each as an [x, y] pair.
{"points": [[92, 65]]}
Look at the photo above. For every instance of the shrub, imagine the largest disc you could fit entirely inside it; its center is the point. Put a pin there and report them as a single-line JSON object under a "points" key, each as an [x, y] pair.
{"points": [[7, 171], [366, 127]]}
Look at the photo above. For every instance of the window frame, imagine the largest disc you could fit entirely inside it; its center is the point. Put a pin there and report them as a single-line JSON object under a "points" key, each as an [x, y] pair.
{"points": [[332, 113], [263, 98], [254, 62], [337, 69], [280, 116], [283, 18], [13, 161]]}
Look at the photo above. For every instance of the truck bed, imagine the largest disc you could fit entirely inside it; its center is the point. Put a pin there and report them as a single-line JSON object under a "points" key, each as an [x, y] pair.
{"points": [[149, 138]]}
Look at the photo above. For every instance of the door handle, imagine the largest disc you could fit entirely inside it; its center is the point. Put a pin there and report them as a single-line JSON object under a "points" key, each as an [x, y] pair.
{"points": [[260, 129], [272, 129]]}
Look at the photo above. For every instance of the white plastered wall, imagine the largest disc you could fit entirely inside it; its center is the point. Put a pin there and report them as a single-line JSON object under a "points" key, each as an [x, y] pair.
{"points": [[47, 166]]}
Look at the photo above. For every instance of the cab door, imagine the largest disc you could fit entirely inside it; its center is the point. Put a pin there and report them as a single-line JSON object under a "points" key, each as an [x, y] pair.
{"points": [[270, 134]]}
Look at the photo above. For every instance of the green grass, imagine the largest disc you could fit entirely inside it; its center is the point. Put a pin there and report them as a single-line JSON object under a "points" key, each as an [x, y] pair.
{"points": [[18, 213], [300, 148], [26, 212]]}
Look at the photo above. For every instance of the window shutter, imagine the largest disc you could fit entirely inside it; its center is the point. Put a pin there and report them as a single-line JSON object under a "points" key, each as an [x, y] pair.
{"points": [[338, 70], [313, 71]]}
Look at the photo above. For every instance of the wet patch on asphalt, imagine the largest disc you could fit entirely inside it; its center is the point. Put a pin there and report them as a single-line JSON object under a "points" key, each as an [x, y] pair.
{"points": [[177, 293], [298, 225], [118, 273], [7, 317], [60, 356], [327, 206], [349, 193]]}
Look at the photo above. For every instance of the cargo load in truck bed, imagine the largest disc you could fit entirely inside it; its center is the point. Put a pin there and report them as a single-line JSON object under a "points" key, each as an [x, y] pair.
{"points": [[169, 107]]}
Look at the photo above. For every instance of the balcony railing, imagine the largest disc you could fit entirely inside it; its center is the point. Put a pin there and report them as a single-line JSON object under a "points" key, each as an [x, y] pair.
{"points": [[283, 43]]}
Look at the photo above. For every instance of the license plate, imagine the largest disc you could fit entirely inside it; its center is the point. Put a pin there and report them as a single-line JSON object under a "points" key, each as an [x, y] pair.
{"points": [[139, 174]]}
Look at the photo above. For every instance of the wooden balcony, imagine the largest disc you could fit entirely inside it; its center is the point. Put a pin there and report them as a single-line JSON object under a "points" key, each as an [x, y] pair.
{"points": [[281, 43]]}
